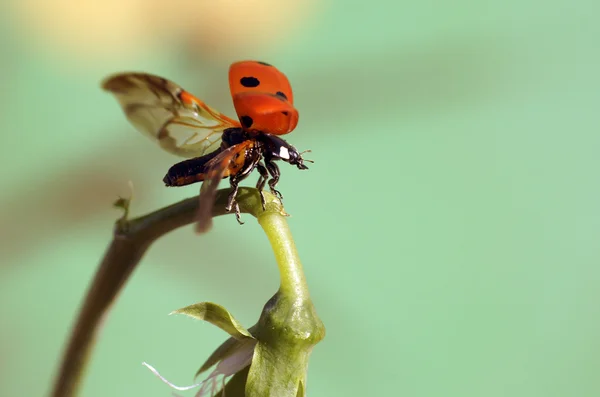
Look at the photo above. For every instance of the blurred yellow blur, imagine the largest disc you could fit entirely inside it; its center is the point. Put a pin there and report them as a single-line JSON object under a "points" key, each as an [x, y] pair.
{"points": [[92, 30]]}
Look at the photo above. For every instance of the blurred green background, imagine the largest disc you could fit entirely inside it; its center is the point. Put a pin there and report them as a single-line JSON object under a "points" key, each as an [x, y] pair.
{"points": [[449, 227]]}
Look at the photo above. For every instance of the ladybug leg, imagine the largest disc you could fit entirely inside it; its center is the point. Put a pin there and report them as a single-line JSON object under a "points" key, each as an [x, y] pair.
{"points": [[262, 180], [274, 171], [234, 181], [252, 161], [231, 202], [237, 214]]}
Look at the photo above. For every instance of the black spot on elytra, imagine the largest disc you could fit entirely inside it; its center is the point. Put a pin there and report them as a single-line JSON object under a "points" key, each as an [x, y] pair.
{"points": [[246, 121], [264, 63], [281, 94], [249, 82], [285, 113]]}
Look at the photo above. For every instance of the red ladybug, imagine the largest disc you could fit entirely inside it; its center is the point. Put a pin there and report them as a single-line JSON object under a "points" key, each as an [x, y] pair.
{"points": [[220, 147]]}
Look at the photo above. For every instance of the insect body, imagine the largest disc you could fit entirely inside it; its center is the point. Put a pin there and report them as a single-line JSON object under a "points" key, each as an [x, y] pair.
{"points": [[219, 146]]}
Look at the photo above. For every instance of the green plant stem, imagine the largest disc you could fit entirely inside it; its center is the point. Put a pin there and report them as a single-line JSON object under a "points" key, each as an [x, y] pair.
{"points": [[293, 283], [130, 241]]}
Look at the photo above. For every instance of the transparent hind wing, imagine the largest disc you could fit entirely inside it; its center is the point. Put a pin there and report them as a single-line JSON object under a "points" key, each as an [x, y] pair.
{"points": [[181, 123]]}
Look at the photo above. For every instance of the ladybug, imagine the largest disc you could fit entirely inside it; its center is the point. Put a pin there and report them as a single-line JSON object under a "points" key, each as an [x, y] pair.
{"points": [[216, 145]]}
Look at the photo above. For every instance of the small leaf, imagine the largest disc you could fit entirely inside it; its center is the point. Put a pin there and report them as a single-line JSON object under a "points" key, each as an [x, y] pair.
{"points": [[122, 203], [216, 315]]}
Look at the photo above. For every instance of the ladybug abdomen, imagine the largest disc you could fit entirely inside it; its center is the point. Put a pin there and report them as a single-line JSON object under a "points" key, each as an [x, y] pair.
{"points": [[189, 171]]}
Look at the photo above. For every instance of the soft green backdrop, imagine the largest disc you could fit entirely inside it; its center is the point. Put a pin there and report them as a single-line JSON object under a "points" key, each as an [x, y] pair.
{"points": [[449, 227]]}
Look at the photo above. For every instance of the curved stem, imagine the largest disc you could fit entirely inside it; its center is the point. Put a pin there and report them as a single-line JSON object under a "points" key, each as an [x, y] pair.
{"points": [[293, 283], [130, 241]]}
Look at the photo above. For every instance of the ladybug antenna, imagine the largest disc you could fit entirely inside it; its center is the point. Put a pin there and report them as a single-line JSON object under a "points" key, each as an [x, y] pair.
{"points": [[306, 151]]}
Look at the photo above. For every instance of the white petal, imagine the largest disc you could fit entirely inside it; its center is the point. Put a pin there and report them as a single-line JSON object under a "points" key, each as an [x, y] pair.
{"points": [[239, 360], [181, 388]]}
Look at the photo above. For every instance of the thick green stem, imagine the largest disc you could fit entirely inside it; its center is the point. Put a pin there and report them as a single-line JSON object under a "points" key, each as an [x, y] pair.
{"points": [[293, 283], [289, 326]]}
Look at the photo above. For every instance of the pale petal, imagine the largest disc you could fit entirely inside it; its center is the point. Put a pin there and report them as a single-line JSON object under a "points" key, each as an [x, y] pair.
{"points": [[180, 388]]}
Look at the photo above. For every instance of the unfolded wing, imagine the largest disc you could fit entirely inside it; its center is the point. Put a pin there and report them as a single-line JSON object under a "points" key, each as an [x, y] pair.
{"points": [[181, 123]]}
